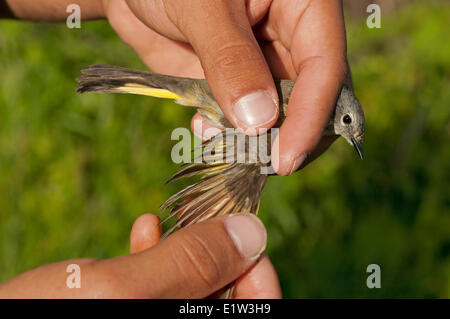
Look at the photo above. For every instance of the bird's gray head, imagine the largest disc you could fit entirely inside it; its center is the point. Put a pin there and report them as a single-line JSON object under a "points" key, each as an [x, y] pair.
{"points": [[348, 119]]}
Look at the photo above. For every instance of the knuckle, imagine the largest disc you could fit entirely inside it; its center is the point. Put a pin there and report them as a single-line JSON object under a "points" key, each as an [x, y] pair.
{"points": [[199, 261]]}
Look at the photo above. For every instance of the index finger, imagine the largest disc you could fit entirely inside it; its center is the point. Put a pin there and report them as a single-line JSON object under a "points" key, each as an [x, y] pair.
{"points": [[318, 52]]}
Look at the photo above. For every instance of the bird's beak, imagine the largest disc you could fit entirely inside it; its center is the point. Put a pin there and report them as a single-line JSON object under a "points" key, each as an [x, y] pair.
{"points": [[358, 147]]}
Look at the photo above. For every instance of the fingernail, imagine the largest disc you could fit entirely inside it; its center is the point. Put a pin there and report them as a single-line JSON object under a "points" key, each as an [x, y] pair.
{"points": [[248, 234], [296, 163], [255, 109]]}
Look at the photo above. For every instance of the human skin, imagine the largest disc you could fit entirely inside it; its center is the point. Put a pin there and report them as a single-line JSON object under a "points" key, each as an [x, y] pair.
{"points": [[193, 263], [238, 45]]}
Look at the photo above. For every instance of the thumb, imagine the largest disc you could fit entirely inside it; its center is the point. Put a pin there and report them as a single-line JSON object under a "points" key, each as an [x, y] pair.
{"points": [[202, 258], [233, 62], [145, 233]]}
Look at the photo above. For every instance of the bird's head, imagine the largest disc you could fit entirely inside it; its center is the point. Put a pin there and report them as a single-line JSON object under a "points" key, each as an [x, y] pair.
{"points": [[348, 119]]}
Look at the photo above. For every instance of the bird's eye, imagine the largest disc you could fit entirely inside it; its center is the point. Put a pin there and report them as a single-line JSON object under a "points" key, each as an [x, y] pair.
{"points": [[347, 119]]}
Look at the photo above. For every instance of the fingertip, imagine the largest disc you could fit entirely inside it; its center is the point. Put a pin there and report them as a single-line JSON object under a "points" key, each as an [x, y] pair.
{"points": [[255, 111], [275, 156], [202, 128], [247, 233], [310, 107], [145, 233], [234, 65]]}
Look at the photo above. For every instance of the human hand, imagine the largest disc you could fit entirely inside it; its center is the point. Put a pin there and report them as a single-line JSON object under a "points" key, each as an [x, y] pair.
{"points": [[195, 262], [238, 45], [259, 281]]}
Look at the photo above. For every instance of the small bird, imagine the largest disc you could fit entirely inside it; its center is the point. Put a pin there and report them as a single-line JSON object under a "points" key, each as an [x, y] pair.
{"points": [[227, 185]]}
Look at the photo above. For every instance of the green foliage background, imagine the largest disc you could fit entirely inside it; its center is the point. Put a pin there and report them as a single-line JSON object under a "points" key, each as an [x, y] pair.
{"points": [[75, 171]]}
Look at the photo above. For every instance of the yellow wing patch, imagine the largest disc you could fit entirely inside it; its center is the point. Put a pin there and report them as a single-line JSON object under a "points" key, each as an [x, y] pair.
{"points": [[134, 88]]}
